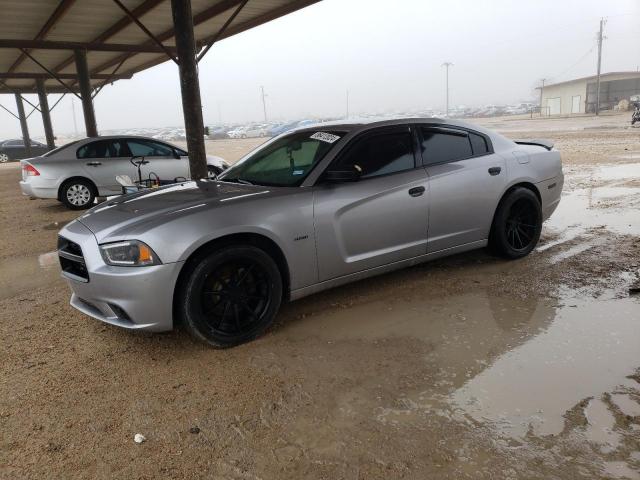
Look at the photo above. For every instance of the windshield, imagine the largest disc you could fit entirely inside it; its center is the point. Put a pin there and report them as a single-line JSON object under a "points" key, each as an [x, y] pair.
{"points": [[55, 150], [285, 162]]}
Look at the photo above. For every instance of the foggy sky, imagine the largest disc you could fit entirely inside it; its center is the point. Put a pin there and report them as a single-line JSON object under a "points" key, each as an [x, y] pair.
{"points": [[387, 54]]}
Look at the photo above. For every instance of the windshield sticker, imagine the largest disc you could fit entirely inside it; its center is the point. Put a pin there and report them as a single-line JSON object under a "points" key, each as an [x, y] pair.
{"points": [[325, 137], [298, 172]]}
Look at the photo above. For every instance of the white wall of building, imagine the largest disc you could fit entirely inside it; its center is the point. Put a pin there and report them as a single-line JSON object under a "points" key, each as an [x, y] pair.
{"points": [[564, 98]]}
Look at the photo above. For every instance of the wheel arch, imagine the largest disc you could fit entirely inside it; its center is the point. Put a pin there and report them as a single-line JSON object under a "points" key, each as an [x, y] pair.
{"points": [[76, 177], [521, 184], [242, 238]]}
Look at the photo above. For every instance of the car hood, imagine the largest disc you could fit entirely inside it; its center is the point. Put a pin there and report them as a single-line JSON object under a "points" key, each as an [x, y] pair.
{"points": [[142, 210]]}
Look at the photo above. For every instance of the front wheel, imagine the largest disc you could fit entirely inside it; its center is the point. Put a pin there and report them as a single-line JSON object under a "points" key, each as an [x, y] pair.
{"points": [[517, 224], [4, 158], [78, 194], [230, 296]]}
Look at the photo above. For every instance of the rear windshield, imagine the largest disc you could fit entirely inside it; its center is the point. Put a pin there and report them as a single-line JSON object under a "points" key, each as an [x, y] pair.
{"points": [[56, 150]]}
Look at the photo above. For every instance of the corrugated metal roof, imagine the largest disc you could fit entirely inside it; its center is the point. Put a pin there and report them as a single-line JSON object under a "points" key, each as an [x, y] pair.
{"points": [[603, 77], [104, 22]]}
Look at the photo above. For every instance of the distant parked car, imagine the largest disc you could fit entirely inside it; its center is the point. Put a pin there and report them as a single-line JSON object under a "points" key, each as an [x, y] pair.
{"points": [[281, 128], [217, 133], [15, 150], [78, 172]]}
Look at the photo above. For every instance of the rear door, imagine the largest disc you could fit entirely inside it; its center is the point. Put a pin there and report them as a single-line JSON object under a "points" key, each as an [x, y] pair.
{"points": [[103, 160], [379, 219], [163, 160], [466, 180]]}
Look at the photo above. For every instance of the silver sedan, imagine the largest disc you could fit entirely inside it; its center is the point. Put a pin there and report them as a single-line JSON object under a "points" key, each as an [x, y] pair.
{"points": [[78, 172], [309, 210]]}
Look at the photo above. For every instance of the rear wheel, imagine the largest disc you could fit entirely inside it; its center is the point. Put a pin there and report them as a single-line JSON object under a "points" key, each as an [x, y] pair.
{"points": [[230, 296], [517, 224], [78, 194]]}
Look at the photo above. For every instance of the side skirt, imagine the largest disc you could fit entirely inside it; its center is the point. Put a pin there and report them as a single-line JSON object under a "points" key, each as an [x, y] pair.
{"points": [[353, 277]]}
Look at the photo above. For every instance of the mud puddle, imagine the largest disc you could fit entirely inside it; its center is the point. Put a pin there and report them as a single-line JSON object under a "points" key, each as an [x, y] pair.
{"points": [[22, 274], [611, 202], [516, 366]]}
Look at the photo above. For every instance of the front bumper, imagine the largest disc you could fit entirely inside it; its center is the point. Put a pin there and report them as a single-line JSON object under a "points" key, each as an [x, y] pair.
{"points": [[137, 298]]}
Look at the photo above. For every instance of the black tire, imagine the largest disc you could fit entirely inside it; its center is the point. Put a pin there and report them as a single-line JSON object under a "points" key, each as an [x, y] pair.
{"points": [[213, 171], [517, 224], [78, 194], [247, 292]]}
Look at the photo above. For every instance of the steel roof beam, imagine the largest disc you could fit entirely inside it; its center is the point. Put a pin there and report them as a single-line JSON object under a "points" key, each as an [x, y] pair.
{"points": [[203, 16], [62, 76], [222, 30], [148, 32], [90, 46], [120, 25], [57, 14]]}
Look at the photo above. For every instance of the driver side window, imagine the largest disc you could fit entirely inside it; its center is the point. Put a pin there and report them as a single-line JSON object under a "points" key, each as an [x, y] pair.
{"points": [[379, 154]]}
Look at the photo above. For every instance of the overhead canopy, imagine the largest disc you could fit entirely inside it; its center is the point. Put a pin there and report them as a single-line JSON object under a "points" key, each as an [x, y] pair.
{"points": [[121, 37]]}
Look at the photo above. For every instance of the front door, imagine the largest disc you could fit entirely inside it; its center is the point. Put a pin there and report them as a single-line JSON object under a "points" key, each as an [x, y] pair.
{"points": [[466, 180], [379, 219], [163, 162]]}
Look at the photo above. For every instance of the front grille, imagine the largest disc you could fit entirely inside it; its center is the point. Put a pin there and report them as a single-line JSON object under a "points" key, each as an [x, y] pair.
{"points": [[72, 260]]}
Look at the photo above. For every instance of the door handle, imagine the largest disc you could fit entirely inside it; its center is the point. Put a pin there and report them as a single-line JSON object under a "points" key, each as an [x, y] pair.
{"points": [[416, 191], [495, 170], [94, 164]]}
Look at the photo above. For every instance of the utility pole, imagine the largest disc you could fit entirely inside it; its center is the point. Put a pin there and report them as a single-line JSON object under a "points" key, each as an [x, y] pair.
{"points": [[347, 104], [264, 104], [447, 65], [602, 22], [541, 92]]}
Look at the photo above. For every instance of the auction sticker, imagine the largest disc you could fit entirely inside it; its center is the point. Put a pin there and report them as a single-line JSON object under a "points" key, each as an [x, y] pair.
{"points": [[325, 137]]}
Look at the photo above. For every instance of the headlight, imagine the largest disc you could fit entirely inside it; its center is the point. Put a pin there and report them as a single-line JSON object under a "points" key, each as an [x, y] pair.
{"points": [[131, 253]]}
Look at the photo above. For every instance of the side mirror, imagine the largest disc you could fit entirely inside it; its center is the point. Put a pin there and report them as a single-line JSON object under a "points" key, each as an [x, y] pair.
{"points": [[341, 176]]}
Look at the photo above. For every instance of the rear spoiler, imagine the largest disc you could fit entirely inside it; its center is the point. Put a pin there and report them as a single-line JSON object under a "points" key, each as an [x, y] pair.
{"points": [[540, 142]]}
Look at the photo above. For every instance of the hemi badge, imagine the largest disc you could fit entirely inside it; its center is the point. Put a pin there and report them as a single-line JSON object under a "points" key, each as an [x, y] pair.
{"points": [[551, 186], [302, 237]]}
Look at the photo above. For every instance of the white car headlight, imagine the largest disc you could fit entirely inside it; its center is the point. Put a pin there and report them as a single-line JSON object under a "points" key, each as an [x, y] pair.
{"points": [[130, 253]]}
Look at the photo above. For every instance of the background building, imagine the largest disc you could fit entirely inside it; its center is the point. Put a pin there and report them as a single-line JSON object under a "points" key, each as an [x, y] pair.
{"points": [[579, 95]]}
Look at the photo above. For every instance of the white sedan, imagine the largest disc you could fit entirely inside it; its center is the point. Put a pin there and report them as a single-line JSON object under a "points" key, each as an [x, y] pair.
{"points": [[78, 172]]}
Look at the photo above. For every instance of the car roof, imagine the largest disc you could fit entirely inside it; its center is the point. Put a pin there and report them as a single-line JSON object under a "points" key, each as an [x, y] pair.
{"points": [[371, 122]]}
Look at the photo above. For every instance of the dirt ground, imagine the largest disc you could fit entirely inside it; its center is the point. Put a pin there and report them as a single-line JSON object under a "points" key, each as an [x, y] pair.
{"points": [[467, 367]]}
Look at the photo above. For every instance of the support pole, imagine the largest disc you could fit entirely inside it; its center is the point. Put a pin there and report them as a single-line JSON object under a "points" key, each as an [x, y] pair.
{"points": [[85, 92], [46, 117], [599, 65], [190, 87], [23, 125]]}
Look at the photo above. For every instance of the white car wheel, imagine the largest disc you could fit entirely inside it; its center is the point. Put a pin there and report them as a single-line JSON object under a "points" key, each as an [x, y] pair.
{"points": [[78, 195], [4, 158]]}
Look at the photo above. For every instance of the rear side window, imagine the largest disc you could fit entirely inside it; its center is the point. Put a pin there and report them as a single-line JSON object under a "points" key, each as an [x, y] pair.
{"points": [[104, 149], [380, 154], [439, 146], [148, 148], [478, 144]]}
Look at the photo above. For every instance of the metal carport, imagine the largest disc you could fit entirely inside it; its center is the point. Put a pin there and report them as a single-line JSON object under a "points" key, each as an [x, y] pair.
{"points": [[77, 47]]}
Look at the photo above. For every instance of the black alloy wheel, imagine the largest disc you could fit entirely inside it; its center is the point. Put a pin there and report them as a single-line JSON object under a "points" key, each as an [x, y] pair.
{"points": [[517, 224], [231, 296], [521, 224]]}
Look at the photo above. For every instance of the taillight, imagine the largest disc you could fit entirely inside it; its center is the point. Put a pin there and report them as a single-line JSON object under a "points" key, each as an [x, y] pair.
{"points": [[30, 170]]}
